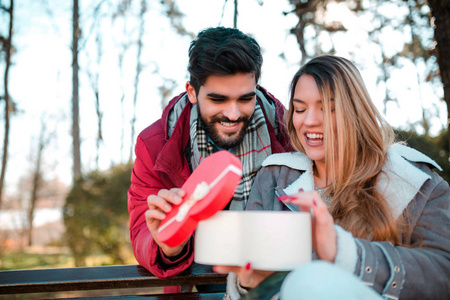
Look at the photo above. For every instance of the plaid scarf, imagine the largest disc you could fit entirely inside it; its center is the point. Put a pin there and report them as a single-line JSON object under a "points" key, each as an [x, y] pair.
{"points": [[254, 148]]}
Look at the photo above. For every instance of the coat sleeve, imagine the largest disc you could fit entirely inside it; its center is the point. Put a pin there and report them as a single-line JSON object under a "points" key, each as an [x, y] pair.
{"points": [[145, 182], [419, 268]]}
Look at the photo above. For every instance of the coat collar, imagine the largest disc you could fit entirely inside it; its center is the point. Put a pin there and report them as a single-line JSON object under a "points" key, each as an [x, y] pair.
{"points": [[400, 180]]}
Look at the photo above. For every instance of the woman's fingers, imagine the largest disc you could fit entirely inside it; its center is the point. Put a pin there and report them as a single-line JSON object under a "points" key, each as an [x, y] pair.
{"points": [[324, 234], [244, 274], [304, 200], [247, 276], [226, 269]]}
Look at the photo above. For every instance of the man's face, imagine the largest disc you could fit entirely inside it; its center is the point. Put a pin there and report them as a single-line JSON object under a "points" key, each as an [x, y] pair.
{"points": [[225, 105]]}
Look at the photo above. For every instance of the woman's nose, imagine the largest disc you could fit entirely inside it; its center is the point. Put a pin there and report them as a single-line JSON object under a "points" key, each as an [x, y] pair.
{"points": [[313, 117]]}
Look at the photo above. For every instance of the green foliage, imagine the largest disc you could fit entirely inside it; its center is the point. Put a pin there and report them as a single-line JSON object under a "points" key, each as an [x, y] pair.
{"points": [[21, 260], [435, 147], [95, 215]]}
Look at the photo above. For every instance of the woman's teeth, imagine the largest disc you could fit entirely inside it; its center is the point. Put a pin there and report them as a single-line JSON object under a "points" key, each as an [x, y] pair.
{"points": [[313, 136]]}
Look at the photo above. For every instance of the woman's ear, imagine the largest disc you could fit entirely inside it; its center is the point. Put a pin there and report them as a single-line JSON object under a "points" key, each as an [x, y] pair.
{"points": [[191, 93]]}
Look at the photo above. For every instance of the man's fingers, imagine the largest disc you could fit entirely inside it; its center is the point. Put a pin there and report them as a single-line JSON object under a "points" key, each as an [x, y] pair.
{"points": [[165, 199], [152, 214], [153, 219], [173, 196], [158, 203]]}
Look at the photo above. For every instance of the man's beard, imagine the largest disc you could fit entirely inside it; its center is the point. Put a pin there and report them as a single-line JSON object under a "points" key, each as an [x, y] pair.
{"points": [[213, 133]]}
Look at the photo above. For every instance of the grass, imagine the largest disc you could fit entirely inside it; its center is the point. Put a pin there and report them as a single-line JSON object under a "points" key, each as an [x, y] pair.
{"points": [[56, 258], [22, 260]]}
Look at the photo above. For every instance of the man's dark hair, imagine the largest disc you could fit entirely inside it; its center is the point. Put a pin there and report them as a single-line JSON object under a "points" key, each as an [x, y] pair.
{"points": [[223, 51]]}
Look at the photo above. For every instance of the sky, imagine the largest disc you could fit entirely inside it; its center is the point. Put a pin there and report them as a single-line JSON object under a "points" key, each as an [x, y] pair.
{"points": [[40, 78]]}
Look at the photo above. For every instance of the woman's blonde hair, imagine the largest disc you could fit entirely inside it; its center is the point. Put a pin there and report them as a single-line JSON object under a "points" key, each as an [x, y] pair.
{"points": [[363, 137]]}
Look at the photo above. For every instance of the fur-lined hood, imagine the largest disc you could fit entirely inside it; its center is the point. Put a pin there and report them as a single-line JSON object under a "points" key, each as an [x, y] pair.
{"points": [[399, 182]]}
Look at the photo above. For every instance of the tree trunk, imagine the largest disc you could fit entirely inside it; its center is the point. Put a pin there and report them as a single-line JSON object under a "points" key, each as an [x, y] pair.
{"points": [[304, 11], [75, 97], [8, 48], [235, 13], [97, 103], [36, 183], [440, 9], [138, 73], [99, 124], [94, 80], [125, 47]]}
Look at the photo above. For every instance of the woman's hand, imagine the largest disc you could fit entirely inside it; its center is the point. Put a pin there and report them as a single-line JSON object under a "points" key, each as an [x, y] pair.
{"points": [[158, 206], [323, 232], [248, 277]]}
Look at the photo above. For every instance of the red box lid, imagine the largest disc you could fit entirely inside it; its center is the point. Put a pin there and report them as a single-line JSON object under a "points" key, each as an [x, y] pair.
{"points": [[208, 190]]}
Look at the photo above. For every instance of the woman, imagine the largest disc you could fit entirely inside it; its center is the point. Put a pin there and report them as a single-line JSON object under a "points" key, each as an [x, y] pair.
{"points": [[381, 216]]}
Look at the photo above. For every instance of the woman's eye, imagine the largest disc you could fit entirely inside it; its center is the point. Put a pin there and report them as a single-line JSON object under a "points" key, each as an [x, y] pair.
{"points": [[299, 111]]}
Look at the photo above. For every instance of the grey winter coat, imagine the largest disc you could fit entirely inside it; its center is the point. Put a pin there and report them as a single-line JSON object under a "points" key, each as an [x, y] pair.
{"points": [[418, 270]]}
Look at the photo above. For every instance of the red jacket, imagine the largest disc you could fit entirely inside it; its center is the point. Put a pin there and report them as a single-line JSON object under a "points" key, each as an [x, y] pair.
{"points": [[161, 164]]}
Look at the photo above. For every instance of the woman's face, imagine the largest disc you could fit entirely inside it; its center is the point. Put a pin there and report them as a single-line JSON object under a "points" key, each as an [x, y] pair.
{"points": [[308, 118]]}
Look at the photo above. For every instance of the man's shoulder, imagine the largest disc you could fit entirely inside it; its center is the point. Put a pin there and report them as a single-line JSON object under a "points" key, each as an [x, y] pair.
{"points": [[159, 128], [153, 132], [267, 95], [267, 101]]}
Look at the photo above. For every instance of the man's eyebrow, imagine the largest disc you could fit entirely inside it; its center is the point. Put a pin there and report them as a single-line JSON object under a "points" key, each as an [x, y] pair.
{"points": [[251, 94], [219, 96]]}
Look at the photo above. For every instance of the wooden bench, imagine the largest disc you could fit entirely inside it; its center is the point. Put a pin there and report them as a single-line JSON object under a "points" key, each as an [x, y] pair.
{"points": [[109, 277]]}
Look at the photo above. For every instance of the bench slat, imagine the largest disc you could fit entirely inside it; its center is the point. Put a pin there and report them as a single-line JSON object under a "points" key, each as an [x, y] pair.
{"points": [[95, 278], [182, 296]]}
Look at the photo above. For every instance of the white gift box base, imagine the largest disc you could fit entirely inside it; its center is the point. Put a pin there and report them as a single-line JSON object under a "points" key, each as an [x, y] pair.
{"points": [[269, 240]]}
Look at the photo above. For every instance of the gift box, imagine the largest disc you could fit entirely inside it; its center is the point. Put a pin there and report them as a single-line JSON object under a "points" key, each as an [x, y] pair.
{"points": [[208, 190], [269, 240]]}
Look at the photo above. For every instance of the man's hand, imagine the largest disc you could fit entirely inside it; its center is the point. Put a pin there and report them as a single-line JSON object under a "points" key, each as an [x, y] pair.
{"points": [[158, 206]]}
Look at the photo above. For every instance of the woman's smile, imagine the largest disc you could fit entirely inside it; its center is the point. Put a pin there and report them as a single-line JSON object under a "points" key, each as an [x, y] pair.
{"points": [[314, 139]]}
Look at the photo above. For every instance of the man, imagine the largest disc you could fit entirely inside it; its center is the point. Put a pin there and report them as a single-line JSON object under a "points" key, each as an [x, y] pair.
{"points": [[222, 108]]}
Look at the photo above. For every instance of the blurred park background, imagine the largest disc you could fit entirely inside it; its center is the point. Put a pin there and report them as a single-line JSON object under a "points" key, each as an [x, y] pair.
{"points": [[80, 79]]}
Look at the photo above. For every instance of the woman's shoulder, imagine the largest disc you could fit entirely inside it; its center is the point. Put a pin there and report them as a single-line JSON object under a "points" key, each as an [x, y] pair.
{"points": [[400, 152], [293, 160], [404, 173]]}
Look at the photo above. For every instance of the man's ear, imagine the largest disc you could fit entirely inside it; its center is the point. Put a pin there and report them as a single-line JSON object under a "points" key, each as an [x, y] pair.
{"points": [[191, 93]]}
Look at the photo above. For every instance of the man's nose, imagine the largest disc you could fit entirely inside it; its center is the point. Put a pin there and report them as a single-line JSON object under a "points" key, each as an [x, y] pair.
{"points": [[232, 111]]}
